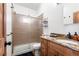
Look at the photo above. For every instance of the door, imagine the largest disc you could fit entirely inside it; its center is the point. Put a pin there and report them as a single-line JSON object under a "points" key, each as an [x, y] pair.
{"points": [[9, 29], [2, 41]]}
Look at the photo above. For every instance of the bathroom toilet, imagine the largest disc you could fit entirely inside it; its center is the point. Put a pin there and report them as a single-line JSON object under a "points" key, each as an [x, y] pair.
{"points": [[36, 49]]}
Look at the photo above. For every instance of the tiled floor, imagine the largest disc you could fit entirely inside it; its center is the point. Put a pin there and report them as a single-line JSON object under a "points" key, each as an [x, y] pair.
{"points": [[26, 54]]}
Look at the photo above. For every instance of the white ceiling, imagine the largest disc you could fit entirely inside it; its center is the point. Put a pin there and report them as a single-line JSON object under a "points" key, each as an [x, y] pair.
{"points": [[34, 6]]}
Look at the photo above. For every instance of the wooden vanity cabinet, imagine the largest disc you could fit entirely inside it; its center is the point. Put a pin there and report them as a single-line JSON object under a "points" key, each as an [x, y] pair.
{"points": [[44, 47], [53, 49], [50, 48], [59, 50]]}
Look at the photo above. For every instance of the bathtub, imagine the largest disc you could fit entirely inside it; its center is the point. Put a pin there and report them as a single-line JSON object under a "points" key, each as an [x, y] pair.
{"points": [[24, 48]]}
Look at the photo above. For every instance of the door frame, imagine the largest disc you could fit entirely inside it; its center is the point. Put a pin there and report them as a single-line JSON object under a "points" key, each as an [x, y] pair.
{"points": [[4, 26], [8, 25]]}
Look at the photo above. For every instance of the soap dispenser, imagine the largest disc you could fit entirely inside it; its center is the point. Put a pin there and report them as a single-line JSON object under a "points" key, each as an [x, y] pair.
{"points": [[75, 36], [75, 33], [69, 35]]}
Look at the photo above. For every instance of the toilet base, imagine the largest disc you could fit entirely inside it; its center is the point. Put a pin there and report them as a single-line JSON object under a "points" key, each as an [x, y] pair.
{"points": [[36, 52]]}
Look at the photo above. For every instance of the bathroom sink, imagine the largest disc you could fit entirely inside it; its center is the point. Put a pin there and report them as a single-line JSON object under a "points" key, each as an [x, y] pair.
{"points": [[65, 42], [48, 37], [71, 42]]}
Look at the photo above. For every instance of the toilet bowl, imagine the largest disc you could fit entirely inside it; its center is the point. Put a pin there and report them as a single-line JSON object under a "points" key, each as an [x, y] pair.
{"points": [[36, 48]]}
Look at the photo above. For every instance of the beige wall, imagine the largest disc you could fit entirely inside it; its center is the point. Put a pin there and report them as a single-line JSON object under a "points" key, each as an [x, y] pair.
{"points": [[26, 32]]}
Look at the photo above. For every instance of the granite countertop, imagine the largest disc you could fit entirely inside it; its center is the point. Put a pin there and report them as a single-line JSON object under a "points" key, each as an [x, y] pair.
{"points": [[74, 45]]}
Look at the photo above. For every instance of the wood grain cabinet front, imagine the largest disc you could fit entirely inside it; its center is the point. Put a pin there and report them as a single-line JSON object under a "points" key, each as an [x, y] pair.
{"points": [[50, 48], [52, 52], [44, 47]]}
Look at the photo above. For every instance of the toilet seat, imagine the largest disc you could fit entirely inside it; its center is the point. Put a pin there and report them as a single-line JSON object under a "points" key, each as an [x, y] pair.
{"points": [[36, 45]]}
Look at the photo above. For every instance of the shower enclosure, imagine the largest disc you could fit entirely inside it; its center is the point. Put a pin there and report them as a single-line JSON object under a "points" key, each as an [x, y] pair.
{"points": [[26, 29]]}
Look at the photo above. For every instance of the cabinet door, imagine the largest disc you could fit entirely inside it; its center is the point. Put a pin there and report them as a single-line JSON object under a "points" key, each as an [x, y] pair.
{"points": [[44, 48], [68, 52], [52, 52], [52, 49], [43, 52]]}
